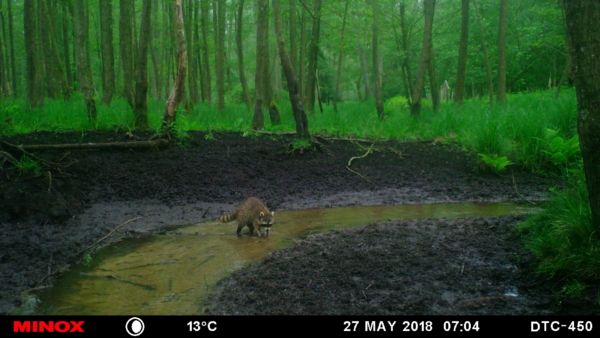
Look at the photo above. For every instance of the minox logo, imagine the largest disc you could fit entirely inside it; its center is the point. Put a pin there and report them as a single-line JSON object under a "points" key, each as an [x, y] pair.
{"points": [[60, 326]]}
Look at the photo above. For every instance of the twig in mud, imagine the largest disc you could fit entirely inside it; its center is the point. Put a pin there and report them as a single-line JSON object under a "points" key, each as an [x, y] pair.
{"points": [[369, 151], [49, 181], [359, 174], [108, 234], [512, 173]]}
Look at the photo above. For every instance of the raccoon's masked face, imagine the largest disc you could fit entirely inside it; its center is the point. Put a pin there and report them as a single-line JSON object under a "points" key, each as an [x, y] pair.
{"points": [[266, 218]]}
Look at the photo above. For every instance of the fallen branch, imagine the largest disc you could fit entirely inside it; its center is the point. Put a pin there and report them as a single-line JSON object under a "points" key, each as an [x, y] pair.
{"points": [[369, 151], [517, 191], [108, 234], [91, 145]]}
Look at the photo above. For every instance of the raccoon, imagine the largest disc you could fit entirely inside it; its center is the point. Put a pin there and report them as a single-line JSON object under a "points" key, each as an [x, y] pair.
{"points": [[251, 213]]}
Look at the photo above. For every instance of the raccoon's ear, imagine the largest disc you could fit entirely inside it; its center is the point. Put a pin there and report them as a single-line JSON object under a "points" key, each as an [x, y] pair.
{"points": [[262, 214], [272, 213]]}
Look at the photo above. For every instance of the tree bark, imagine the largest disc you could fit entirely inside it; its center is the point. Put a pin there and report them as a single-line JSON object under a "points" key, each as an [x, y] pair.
{"points": [[364, 65], [33, 80], [140, 108], [240, 53], [406, 51], [220, 53], [433, 82], [338, 73], [584, 36], [292, 81], [301, 52], [485, 54], [108, 58], [502, 51], [189, 19], [206, 89], [66, 18], [428, 9], [262, 45], [377, 64], [126, 44], [56, 82], [179, 83], [11, 36], [459, 89], [84, 70], [293, 34], [313, 56]]}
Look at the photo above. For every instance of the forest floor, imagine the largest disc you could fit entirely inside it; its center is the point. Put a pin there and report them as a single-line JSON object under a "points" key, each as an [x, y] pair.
{"points": [[47, 223]]}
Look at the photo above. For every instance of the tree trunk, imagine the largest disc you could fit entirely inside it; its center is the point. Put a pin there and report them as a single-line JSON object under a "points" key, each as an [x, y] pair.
{"points": [[433, 82], [33, 80], [262, 45], [84, 70], [338, 73], [179, 83], [584, 36], [502, 51], [364, 65], [313, 56], [56, 82], [4, 72], [140, 108], [406, 51], [126, 43], [190, 19], [415, 106], [293, 34], [377, 64], [66, 18], [485, 54], [108, 59], [11, 36], [206, 89], [300, 61], [292, 81], [269, 80], [240, 54], [220, 52], [459, 89]]}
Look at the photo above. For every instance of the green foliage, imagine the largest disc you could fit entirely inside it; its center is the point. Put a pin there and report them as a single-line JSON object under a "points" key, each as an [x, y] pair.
{"points": [[300, 145], [494, 163], [395, 105], [563, 239], [87, 259], [560, 151], [28, 167]]}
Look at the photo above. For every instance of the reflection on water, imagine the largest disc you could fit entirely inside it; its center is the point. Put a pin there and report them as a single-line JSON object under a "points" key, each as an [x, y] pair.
{"points": [[170, 273]]}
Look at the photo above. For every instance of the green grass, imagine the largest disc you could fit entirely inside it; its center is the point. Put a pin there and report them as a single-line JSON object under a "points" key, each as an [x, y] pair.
{"points": [[564, 241], [517, 130]]}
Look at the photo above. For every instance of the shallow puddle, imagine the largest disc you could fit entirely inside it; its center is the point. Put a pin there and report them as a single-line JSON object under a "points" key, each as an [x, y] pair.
{"points": [[171, 273]]}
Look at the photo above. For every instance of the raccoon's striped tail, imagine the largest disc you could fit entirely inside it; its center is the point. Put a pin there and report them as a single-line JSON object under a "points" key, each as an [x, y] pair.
{"points": [[226, 218]]}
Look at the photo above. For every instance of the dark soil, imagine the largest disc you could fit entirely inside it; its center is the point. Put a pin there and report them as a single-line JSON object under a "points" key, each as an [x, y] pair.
{"points": [[45, 223], [430, 267]]}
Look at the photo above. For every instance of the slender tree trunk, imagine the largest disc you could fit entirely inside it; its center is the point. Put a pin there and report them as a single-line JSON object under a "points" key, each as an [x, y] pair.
{"points": [[292, 81], [262, 45], [338, 73], [269, 81], [240, 53], [154, 48], [293, 27], [178, 85], [193, 55], [33, 79], [11, 36], [364, 65], [4, 71], [140, 108], [300, 61], [567, 71], [220, 53], [126, 43], [207, 91], [502, 51], [584, 36], [433, 82], [459, 90], [485, 54], [56, 81], [84, 70], [377, 64], [313, 56], [406, 51], [108, 59], [67, 18], [415, 106]]}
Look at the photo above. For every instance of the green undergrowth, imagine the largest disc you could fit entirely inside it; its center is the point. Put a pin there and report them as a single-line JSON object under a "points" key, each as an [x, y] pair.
{"points": [[565, 243]]}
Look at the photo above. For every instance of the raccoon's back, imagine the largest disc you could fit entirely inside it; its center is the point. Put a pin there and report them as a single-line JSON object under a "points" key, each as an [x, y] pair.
{"points": [[250, 210]]}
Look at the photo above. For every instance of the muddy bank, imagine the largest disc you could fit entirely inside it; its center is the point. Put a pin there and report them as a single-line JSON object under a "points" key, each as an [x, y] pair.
{"points": [[43, 232], [430, 267]]}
